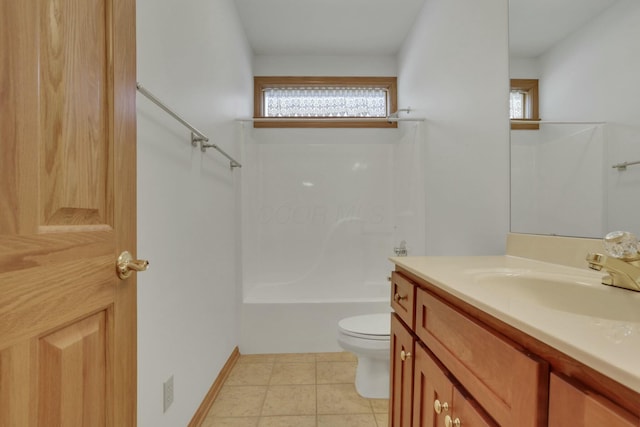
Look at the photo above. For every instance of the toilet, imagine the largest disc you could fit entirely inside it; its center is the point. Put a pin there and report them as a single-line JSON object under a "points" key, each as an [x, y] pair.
{"points": [[368, 336]]}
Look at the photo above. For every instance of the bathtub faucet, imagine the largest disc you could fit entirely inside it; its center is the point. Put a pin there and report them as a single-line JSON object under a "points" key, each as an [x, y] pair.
{"points": [[401, 250]]}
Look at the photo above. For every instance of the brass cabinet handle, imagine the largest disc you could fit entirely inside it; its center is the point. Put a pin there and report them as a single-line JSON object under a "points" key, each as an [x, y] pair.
{"points": [[449, 422], [125, 265], [439, 407], [404, 355], [397, 297]]}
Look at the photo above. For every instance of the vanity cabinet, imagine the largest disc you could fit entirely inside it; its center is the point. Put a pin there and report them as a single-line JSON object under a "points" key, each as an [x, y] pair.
{"points": [[461, 367], [571, 404], [455, 365], [502, 378]]}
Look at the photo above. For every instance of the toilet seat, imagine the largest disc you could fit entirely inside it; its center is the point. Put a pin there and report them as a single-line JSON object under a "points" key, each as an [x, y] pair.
{"points": [[369, 326]]}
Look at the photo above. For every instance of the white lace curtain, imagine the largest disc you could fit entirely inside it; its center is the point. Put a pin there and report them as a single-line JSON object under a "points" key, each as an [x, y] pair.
{"points": [[516, 105], [325, 102]]}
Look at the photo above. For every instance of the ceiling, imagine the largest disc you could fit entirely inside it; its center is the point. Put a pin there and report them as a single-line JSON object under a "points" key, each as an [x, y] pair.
{"points": [[379, 27], [536, 25], [327, 27]]}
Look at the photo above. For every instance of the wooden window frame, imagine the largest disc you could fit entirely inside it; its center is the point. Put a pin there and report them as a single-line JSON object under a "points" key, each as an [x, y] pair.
{"points": [[530, 87], [260, 83]]}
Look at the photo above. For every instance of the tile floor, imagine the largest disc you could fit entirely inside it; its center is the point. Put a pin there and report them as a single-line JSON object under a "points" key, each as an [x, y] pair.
{"points": [[295, 390]]}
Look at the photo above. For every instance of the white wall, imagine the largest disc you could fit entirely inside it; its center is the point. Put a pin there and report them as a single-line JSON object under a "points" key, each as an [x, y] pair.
{"points": [[589, 76], [193, 55], [453, 69], [324, 65]]}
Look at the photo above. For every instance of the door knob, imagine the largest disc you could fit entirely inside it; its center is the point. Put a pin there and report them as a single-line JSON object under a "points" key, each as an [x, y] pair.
{"points": [[404, 355], [127, 265]]}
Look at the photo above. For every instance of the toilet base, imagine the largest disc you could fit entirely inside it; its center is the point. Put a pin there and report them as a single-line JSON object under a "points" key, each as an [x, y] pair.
{"points": [[372, 377]]}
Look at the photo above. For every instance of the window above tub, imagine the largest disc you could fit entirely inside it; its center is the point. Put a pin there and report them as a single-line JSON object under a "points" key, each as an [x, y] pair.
{"points": [[523, 104], [336, 102]]}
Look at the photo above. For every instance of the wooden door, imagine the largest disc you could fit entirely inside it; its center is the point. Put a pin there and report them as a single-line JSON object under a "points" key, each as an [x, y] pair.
{"points": [[67, 209], [402, 347]]}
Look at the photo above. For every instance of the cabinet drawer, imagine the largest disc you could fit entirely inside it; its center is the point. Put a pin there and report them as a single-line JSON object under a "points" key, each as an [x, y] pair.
{"points": [[403, 296], [569, 405], [507, 383]]}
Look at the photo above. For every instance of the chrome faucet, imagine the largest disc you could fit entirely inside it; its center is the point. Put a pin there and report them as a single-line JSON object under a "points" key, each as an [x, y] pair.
{"points": [[401, 250], [623, 262]]}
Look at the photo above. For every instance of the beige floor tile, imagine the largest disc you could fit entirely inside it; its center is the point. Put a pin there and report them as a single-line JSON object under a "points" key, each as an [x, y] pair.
{"points": [[290, 400], [257, 358], [238, 401], [293, 373], [341, 399], [380, 405], [288, 421], [230, 422], [250, 374], [279, 390], [382, 419], [336, 372], [347, 420], [341, 356], [295, 358]]}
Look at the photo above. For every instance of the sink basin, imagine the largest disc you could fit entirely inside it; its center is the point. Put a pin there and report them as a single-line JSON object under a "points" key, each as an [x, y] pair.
{"points": [[577, 295]]}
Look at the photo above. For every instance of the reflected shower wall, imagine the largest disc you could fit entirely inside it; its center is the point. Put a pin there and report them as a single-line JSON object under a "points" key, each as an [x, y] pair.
{"points": [[558, 180]]}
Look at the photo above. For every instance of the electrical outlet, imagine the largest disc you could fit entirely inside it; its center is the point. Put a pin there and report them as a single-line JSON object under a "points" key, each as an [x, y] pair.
{"points": [[168, 393]]}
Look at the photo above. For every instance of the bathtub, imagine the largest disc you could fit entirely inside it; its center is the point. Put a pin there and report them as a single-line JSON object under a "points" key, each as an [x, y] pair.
{"points": [[275, 319]]}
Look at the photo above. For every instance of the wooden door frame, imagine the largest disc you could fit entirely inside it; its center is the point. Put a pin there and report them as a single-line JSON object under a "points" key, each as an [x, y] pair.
{"points": [[123, 60]]}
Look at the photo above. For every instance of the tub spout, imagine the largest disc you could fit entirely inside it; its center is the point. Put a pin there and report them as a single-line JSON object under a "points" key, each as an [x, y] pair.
{"points": [[401, 250]]}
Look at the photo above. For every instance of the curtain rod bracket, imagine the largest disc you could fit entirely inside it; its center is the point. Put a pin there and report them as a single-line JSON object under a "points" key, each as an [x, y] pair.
{"points": [[196, 138]]}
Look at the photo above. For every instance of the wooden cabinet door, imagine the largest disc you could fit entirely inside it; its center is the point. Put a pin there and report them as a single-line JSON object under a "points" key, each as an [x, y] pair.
{"points": [[476, 356], [466, 412], [571, 406], [67, 209], [402, 348], [432, 391]]}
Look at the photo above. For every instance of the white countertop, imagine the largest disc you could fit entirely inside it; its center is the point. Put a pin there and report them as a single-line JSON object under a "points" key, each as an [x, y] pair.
{"points": [[609, 344]]}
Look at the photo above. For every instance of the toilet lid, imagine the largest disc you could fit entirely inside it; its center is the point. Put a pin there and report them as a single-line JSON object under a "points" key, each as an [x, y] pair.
{"points": [[369, 324]]}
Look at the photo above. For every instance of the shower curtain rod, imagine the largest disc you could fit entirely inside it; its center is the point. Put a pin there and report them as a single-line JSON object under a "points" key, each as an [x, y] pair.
{"points": [[551, 122], [623, 166], [331, 119], [391, 118], [196, 135]]}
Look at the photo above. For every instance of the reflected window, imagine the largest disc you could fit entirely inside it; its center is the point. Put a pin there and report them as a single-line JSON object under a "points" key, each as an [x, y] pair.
{"points": [[523, 103]]}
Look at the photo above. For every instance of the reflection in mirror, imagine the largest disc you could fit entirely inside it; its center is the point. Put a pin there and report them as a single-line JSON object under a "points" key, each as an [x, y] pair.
{"points": [[586, 56]]}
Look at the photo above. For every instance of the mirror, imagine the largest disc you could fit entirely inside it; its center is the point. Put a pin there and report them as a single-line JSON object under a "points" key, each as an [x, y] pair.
{"points": [[586, 56]]}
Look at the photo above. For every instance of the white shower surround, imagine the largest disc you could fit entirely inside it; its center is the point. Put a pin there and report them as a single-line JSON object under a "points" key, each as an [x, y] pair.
{"points": [[322, 211]]}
